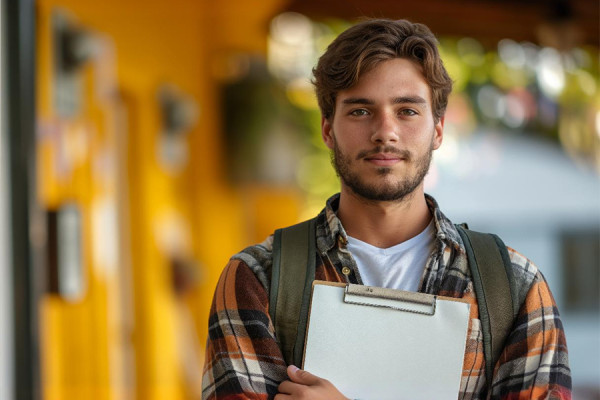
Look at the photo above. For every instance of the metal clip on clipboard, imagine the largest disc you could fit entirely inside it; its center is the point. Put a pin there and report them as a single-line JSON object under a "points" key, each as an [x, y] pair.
{"points": [[419, 303]]}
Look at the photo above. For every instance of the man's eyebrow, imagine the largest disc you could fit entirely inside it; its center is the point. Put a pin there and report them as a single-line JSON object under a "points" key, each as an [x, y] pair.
{"points": [[395, 100], [409, 99], [357, 100]]}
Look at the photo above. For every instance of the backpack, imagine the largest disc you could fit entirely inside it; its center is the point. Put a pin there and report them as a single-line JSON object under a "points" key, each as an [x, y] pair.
{"points": [[293, 271]]}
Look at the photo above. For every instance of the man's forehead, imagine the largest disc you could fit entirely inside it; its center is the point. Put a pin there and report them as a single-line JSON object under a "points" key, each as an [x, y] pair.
{"points": [[420, 97], [397, 78]]}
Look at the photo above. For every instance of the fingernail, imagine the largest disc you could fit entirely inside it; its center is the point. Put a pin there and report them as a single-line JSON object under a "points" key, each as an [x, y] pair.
{"points": [[294, 368]]}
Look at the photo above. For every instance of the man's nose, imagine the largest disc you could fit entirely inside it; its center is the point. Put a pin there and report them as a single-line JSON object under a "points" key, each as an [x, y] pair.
{"points": [[385, 129]]}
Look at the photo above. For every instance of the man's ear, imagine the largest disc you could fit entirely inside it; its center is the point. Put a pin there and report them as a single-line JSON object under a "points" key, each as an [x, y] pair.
{"points": [[439, 133], [327, 132]]}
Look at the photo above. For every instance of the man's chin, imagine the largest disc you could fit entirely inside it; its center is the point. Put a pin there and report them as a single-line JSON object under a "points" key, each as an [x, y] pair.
{"points": [[380, 192], [383, 171]]}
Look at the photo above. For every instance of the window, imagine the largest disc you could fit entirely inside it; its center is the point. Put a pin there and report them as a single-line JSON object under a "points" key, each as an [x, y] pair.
{"points": [[581, 260]]}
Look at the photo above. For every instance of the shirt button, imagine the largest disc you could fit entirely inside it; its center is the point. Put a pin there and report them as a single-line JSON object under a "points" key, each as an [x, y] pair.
{"points": [[346, 271]]}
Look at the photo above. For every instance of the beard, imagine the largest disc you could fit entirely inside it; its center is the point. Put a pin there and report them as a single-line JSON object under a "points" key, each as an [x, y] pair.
{"points": [[381, 191]]}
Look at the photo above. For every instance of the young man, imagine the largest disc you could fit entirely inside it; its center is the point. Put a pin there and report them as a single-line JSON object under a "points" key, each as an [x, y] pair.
{"points": [[382, 90]]}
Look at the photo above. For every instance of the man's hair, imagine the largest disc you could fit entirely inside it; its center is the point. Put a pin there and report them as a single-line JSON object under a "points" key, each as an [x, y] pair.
{"points": [[361, 47]]}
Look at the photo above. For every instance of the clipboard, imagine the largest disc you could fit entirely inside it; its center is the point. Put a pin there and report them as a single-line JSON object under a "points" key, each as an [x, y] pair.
{"points": [[375, 343]]}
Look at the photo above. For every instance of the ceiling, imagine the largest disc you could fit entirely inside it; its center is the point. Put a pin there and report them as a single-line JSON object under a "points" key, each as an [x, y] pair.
{"points": [[559, 23]]}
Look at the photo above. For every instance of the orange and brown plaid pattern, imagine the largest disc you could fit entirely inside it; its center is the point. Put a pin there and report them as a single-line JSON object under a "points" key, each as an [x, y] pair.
{"points": [[243, 359]]}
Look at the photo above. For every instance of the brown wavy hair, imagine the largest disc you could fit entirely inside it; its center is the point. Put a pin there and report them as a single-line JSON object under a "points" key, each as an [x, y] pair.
{"points": [[361, 47]]}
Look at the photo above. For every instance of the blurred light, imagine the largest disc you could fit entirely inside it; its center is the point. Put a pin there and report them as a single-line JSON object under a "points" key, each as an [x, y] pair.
{"points": [[291, 28], [457, 69], [75, 144], [448, 152], [491, 102], [173, 153], [471, 51], [171, 232], [291, 46], [598, 123], [313, 173], [280, 155], [301, 94], [71, 271], [531, 55], [323, 40], [551, 73], [105, 236], [528, 102], [460, 118], [586, 82], [515, 114], [511, 53], [582, 58], [507, 77]]}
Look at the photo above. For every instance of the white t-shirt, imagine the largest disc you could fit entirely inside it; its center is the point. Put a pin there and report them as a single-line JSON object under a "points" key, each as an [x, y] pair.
{"points": [[397, 267]]}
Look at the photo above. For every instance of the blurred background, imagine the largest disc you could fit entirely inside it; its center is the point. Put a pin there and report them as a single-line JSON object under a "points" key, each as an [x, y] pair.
{"points": [[145, 142]]}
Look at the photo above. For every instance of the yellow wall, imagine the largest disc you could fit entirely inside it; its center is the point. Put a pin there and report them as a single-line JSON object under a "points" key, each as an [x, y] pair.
{"points": [[124, 337]]}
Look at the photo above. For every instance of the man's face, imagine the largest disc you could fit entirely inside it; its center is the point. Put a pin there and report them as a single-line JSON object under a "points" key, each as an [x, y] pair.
{"points": [[383, 133]]}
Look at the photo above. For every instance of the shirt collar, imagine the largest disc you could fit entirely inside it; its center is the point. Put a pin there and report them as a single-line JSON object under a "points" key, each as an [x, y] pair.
{"points": [[330, 229]]}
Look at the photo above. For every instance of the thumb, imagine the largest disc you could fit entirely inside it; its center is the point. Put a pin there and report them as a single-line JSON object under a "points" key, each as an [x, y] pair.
{"points": [[298, 375]]}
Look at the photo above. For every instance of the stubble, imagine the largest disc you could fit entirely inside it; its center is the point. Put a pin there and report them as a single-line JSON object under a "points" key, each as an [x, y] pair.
{"points": [[380, 190]]}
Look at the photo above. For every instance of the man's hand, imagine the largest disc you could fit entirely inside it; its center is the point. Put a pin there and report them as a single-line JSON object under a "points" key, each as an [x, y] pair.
{"points": [[305, 386]]}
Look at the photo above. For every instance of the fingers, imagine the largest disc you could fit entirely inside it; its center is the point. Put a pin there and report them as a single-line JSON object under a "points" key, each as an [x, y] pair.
{"points": [[287, 387], [289, 390], [300, 376], [304, 385]]}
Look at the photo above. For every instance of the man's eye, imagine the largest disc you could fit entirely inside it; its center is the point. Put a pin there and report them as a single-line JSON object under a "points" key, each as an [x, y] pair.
{"points": [[359, 112], [408, 112]]}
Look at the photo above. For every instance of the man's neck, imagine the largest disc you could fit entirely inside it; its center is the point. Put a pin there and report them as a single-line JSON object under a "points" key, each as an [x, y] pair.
{"points": [[383, 223]]}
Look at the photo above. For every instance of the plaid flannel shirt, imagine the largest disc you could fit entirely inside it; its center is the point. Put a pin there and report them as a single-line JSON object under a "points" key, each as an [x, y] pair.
{"points": [[243, 360]]}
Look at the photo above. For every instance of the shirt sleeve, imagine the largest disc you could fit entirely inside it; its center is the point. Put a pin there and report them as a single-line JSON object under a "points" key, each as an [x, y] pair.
{"points": [[534, 363], [243, 360]]}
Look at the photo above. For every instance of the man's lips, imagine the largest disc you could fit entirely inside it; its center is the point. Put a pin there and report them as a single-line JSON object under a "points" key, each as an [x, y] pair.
{"points": [[383, 159], [384, 154]]}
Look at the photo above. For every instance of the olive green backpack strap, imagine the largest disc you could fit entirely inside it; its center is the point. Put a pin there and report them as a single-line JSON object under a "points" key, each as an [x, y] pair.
{"points": [[494, 285], [292, 274]]}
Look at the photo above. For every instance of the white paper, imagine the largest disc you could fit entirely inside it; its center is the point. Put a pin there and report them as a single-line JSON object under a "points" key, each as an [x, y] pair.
{"points": [[379, 353]]}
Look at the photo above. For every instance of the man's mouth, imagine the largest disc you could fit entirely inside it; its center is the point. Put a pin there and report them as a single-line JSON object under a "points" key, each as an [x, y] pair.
{"points": [[384, 154], [386, 159]]}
